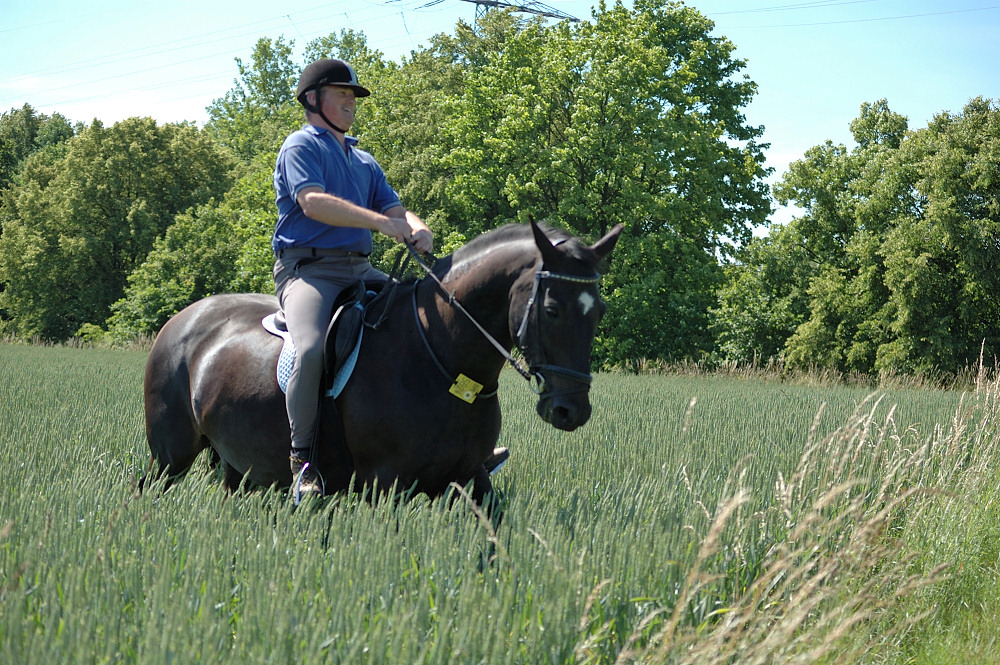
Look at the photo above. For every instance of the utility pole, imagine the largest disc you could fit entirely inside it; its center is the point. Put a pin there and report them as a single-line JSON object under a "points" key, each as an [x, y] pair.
{"points": [[531, 7]]}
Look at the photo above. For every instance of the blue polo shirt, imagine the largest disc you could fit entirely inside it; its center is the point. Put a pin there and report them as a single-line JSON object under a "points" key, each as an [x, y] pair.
{"points": [[312, 157]]}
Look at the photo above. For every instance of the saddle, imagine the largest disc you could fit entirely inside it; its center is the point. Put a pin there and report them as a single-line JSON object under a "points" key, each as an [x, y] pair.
{"points": [[342, 341]]}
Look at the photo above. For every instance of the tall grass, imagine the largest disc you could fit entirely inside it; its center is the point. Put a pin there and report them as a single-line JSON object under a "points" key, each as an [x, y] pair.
{"points": [[694, 519]]}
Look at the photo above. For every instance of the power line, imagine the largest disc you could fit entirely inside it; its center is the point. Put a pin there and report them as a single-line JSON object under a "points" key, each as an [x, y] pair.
{"points": [[804, 5], [184, 45], [874, 19]]}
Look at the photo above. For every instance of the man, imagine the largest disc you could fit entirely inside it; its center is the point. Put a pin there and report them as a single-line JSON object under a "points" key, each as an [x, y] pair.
{"points": [[331, 195]]}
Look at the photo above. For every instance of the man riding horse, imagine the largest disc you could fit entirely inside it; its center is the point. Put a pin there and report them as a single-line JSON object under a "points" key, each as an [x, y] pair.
{"points": [[420, 410]]}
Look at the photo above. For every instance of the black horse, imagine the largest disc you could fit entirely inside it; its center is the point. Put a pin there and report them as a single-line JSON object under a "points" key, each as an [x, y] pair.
{"points": [[403, 416]]}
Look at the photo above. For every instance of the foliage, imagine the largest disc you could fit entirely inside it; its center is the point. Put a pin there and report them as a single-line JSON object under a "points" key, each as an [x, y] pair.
{"points": [[584, 126], [256, 114], [486, 127], [760, 304], [893, 263], [75, 226], [634, 118], [210, 249], [24, 131]]}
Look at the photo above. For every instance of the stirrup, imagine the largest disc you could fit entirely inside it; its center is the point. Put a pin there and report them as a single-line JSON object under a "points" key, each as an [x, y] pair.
{"points": [[297, 491]]}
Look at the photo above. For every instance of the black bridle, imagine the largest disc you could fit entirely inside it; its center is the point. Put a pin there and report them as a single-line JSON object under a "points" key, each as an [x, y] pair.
{"points": [[533, 372], [522, 341]]}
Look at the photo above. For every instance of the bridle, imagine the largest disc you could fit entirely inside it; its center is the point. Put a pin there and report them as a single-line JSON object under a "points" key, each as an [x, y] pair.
{"points": [[532, 372], [522, 341]]}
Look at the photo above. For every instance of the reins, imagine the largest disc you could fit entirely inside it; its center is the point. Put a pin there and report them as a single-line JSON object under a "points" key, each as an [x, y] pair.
{"points": [[529, 372], [430, 351], [450, 296]]}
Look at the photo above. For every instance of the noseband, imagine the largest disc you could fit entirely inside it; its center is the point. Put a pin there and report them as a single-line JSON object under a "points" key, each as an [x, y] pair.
{"points": [[533, 372]]}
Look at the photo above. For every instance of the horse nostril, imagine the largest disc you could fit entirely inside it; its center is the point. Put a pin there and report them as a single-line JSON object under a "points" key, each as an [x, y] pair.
{"points": [[562, 417]]}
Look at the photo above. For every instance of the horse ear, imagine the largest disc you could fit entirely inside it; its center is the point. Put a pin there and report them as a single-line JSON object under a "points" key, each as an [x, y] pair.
{"points": [[604, 246], [545, 245]]}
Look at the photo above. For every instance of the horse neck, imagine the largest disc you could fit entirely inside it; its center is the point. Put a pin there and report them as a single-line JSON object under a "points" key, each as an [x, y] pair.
{"points": [[483, 284]]}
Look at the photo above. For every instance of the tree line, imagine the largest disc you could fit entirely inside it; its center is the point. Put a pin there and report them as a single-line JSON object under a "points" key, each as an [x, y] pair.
{"points": [[634, 116]]}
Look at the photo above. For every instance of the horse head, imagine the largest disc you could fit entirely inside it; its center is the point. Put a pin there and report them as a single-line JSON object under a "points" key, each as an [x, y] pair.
{"points": [[556, 328]]}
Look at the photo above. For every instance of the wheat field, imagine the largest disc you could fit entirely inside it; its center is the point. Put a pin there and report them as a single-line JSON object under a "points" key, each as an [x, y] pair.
{"points": [[695, 519]]}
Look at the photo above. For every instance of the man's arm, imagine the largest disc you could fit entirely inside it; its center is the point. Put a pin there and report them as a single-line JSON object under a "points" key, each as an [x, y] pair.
{"points": [[335, 211]]}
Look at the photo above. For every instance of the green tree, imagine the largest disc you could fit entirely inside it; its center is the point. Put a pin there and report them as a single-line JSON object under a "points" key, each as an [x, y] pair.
{"points": [[257, 114], [762, 301], [835, 291], [400, 124], [942, 271], [210, 249], [79, 226], [23, 132], [633, 117], [894, 259]]}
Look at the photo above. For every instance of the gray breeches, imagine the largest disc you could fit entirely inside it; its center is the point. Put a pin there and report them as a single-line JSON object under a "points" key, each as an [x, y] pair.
{"points": [[307, 289]]}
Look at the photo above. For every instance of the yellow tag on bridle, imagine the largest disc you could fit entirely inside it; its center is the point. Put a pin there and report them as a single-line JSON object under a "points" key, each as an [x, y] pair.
{"points": [[465, 389]]}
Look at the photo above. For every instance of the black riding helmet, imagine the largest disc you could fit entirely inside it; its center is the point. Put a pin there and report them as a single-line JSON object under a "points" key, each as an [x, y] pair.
{"points": [[328, 71]]}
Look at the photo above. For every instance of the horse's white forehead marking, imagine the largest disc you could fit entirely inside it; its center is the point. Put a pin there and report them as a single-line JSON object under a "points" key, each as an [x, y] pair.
{"points": [[586, 301]]}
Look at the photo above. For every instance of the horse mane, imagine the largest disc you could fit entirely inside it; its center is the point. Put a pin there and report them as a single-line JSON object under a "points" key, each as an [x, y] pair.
{"points": [[478, 247]]}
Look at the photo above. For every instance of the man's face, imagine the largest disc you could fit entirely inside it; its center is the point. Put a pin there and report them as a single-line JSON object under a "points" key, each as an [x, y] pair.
{"points": [[339, 105]]}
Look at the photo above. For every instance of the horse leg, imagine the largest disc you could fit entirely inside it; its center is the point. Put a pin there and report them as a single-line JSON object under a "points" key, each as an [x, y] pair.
{"points": [[486, 498], [174, 441], [491, 507], [174, 456], [232, 478]]}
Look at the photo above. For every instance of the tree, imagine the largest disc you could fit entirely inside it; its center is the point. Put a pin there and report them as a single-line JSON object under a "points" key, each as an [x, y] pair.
{"points": [[79, 226], [834, 291], [942, 271], [401, 123], [224, 244], [214, 248], [635, 118], [257, 114], [762, 302], [894, 259], [24, 132]]}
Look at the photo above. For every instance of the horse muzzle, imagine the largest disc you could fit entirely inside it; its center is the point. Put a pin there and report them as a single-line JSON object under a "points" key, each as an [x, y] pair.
{"points": [[566, 408], [563, 413]]}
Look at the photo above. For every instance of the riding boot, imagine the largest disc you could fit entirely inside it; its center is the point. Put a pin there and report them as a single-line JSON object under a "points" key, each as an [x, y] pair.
{"points": [[306, 480]]}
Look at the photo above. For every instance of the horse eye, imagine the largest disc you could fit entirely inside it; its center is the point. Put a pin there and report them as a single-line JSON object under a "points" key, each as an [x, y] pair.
{"points": [[552, 311]]}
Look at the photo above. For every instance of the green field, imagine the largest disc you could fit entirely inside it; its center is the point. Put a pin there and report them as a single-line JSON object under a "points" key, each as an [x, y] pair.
{"points": [[694, 519]]}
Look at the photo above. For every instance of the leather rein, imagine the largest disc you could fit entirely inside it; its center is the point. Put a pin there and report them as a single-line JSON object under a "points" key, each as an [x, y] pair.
{"points": [[531, 372]]}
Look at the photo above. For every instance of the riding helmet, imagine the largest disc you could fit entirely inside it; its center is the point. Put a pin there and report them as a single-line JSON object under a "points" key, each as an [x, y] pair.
{"points": [[328, 71]]}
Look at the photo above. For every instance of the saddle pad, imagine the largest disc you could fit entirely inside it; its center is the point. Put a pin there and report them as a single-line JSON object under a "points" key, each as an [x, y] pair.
{"points": [[287, 357]]}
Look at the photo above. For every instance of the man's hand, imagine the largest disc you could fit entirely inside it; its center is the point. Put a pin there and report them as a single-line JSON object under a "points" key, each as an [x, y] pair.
{"points": [[408, 228], [421, 236], [396, 228], [422, 241]]}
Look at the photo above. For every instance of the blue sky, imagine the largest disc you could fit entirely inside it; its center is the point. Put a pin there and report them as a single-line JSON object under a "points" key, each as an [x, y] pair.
{"points": [[815, 62]]}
